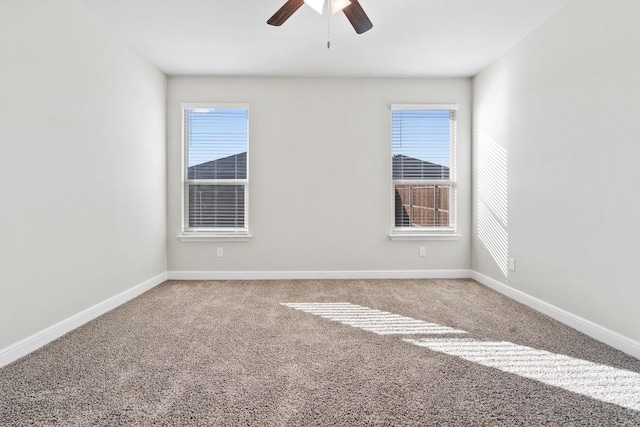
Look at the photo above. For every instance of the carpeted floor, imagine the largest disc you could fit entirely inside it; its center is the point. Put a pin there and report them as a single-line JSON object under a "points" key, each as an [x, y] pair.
{"points": [[264, 353]]}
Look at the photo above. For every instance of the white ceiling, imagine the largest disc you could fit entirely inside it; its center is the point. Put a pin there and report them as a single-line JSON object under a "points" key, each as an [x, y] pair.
{"points": [[410, 38]]}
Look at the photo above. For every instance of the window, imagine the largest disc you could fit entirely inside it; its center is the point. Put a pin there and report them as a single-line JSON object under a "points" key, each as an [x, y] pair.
{"points": [[215, 174], [423, 169]]}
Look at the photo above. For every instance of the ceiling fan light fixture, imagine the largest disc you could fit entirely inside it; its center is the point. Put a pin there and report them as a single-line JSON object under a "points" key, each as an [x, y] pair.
{"points": [[351, 8], [338, 5], [335, 5], [316, 5]]}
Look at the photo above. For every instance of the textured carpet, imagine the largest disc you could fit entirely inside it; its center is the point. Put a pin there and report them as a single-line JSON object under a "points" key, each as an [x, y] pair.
{"points": [[265, 353]]}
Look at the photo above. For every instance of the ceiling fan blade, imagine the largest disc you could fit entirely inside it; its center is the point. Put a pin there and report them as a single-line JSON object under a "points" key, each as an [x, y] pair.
{"points": [[285, 12], [357, 17]]}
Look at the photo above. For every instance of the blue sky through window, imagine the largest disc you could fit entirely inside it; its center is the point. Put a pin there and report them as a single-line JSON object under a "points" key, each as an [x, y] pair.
{"points": [[423, 135], [215, 133]]}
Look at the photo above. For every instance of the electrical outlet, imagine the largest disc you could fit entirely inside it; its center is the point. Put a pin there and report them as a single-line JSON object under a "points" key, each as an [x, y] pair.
{"points": [[423, 251], [220, 252], [512, 264]]}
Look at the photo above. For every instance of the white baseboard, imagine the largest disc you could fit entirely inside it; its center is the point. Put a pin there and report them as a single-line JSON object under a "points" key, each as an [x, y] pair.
{"points": [[327, 275], [39, 339], [600, 333]]}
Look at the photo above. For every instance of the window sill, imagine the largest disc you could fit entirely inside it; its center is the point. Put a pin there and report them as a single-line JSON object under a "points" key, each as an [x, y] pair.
{"points": [[423, 236], [214, 237]]}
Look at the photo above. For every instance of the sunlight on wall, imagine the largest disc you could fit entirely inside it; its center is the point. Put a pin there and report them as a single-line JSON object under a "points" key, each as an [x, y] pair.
{"points": [[597, 381], [492, 200], [590, 379]]}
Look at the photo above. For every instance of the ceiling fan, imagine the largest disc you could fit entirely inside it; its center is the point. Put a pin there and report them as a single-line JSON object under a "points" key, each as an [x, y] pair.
{"points": [[351, 8]]}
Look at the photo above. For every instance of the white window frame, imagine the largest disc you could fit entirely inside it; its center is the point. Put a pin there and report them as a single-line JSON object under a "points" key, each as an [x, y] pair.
{"points": [[211, 234], [428, 233]]}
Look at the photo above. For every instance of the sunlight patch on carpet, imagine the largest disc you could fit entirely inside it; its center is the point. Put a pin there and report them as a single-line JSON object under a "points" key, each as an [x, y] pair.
{"points": [[371, 320], [594, 380], [597, 381]]}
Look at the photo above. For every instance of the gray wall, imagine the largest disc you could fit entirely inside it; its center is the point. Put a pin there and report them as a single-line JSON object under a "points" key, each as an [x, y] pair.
{"points": [[556, 155], [320, 168], [82, 166]]}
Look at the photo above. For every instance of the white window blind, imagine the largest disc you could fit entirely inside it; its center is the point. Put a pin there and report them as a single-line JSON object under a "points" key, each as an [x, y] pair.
{"points": [[216, 174], [423, 167]]}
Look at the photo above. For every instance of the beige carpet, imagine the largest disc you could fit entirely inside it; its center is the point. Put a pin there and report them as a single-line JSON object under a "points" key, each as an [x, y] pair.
{"points": [[283, 353]]}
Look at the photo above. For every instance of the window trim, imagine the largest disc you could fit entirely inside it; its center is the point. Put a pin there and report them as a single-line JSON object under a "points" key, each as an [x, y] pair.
{"points": [[427, 233], [211, 234]]}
